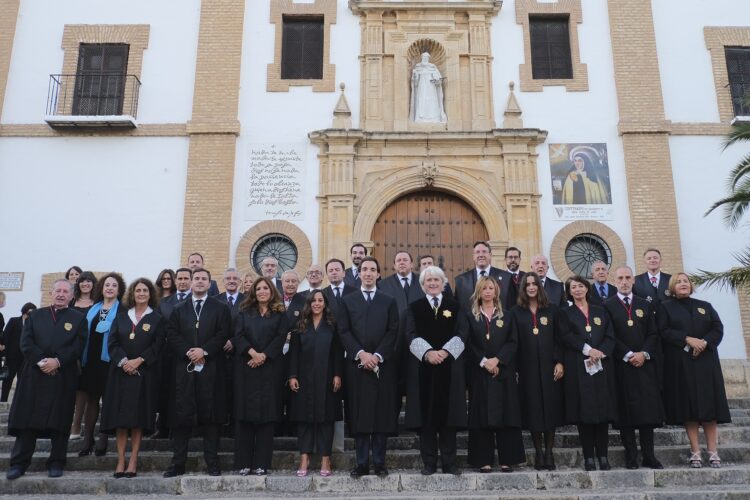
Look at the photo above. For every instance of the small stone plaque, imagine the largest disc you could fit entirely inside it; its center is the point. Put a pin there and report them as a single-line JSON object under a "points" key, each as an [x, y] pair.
{"points": [[10, 281]]}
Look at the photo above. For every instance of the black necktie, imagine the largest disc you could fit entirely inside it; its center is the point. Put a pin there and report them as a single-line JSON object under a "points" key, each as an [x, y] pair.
{"points": [[515, 279], [181, 296], [627, 301], [482, 273], [369, 295], [198, 307], [435, 302], [601, 292], [230, 299], [406, 286], [337, 291]]}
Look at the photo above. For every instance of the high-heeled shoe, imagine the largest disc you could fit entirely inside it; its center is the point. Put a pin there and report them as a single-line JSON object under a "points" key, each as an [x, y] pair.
{"points": [[86, 450]]}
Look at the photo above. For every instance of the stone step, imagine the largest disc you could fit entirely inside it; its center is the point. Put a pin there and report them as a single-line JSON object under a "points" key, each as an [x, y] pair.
{"points": [[729, 482], [670, 436], [395, 459]]}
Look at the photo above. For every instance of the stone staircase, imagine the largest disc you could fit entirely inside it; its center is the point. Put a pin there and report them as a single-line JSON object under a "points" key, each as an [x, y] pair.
{"points": [[93, 475]]}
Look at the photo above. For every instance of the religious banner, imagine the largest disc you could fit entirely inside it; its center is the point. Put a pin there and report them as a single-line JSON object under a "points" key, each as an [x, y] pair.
{"points": [[276, 179], [580, 181]]}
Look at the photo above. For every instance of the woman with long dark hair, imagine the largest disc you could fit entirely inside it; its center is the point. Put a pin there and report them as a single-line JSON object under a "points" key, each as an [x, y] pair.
{"points": [[316, 360], [83, 299], [165, 284], [539, 327], [260, 329], [135, 339]]}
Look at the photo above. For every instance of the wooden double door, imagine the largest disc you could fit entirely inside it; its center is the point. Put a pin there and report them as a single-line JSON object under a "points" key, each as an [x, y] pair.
{"points": [[428, 222]]}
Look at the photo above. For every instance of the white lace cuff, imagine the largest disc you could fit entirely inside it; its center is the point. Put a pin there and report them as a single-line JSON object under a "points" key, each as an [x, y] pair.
{"points": [[419, 347], [455, 346]]}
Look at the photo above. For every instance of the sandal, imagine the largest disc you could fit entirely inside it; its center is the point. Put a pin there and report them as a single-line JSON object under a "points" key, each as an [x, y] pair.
{"points": [[714, 459], [695, 460]]}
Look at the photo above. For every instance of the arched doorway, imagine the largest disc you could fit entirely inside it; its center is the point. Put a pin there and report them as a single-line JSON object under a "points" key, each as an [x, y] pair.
{"points": [[428, 222]]}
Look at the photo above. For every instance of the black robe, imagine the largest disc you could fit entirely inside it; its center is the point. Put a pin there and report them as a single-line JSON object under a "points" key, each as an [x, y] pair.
{"points": [[198, 397], [542, 401], [45, 402], [589, 399], [693, 387], [435, 394], [493, 401], [315, 357], [638, 389], [372, 327], [258, 391], [130, 400], [11, 339]]}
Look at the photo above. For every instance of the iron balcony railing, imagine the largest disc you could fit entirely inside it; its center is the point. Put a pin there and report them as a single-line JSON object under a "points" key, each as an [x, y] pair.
{"points": [[93, 94]]}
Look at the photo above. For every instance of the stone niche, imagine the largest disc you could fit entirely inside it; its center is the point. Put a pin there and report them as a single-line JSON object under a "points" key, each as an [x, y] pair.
{"points": [[363, 170]]}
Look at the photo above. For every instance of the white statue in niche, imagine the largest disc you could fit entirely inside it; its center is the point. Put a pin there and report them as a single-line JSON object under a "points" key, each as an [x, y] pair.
{"points": [[427, 93]]}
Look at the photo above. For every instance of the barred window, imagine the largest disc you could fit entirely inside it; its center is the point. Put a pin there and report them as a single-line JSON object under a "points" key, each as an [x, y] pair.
{"points": [[738, 69], [550, 48], [100, 79], [302, 48]]}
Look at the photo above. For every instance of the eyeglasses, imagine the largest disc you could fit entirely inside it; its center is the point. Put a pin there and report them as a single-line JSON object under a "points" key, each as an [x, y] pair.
{"points": [[314, 273]]}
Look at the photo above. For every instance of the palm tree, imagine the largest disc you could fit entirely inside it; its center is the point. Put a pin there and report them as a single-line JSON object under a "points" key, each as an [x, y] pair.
{"points": [[735, 204]]}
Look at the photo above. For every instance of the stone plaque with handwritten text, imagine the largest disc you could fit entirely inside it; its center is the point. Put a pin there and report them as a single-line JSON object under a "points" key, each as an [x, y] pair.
{"points": [[275, 184]]}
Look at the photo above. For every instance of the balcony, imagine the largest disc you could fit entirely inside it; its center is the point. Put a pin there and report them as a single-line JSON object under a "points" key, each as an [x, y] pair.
{"points": [[92, 100]]}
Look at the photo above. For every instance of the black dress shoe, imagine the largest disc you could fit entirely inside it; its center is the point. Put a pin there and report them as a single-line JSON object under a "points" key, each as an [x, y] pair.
{"points": [[381, 471], [631, 464], [14, 473], [130, 475], [86, 451], [604, 463], [54, 471], [174, 472], [588, 464], [452, 470], [214, 471], [539, 461], [428, 470], [506, 468], [118, 475], [652, 463], [359, 471], [485, 470]]}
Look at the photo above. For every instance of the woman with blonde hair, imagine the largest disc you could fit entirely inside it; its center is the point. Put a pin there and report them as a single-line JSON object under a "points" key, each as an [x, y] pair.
{"points": [[694, 394], [494, 410]]}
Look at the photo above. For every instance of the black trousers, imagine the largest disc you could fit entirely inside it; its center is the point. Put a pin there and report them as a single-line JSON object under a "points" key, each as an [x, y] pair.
{"points": [[364, 442], [253, 445], [430, 439], [8, 382], [25, 445], [646, 437], [594, 439], [181, 437], [315, 437], [507, 440]]}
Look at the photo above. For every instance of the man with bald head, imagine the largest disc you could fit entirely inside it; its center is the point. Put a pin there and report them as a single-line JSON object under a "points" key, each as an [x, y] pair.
{"points": [[554, 289], [269, 267], [51, 342], [637, 348], [314, 277], [600, 290]]}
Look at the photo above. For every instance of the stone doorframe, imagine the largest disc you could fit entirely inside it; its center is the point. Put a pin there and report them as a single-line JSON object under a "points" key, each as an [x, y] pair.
{"points": [[361, 173]]}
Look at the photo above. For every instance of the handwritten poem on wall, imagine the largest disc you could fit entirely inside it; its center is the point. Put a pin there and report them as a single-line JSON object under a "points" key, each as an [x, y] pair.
{"points": [[276, 178]]}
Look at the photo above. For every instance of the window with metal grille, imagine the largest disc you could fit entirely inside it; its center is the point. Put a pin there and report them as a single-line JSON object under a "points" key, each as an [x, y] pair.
{"points": [[585, 249], [302, 48], [738, 68], [100, 79], [275, 245], [550, 48]]}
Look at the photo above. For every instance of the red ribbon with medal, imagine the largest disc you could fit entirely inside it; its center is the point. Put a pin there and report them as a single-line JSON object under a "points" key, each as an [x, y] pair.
{"points": [[588, 323], [534, 329], [629, 309]]}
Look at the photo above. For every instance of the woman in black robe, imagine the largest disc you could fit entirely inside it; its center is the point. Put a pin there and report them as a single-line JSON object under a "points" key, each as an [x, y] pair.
{"points": [[590, 395], [694, 393], [316, 360], [83, 299], [494, 408], [95, 358], [260, 331], [135, 340], [539, 327]]}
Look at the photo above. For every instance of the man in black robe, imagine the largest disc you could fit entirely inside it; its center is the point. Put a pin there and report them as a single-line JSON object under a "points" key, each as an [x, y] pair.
{"points": [[435, 382], [636, 350], [337, 289], [196, 334], [467, 281], [183, 279], [369, 329], [232, 297], [10, 342], [51, 342], [195, 261], [652, 285], [512, 277], [351, 276]]}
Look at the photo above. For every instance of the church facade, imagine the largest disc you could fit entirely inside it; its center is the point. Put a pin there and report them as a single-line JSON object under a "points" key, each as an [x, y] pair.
{"points": [[131, 136]]}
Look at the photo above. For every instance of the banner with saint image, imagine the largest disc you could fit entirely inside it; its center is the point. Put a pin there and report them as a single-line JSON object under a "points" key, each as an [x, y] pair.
{"points": [[580, 181]]}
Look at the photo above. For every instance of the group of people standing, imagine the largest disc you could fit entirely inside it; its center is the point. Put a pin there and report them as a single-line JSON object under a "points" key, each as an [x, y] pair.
{"points": [[530, 352]]}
